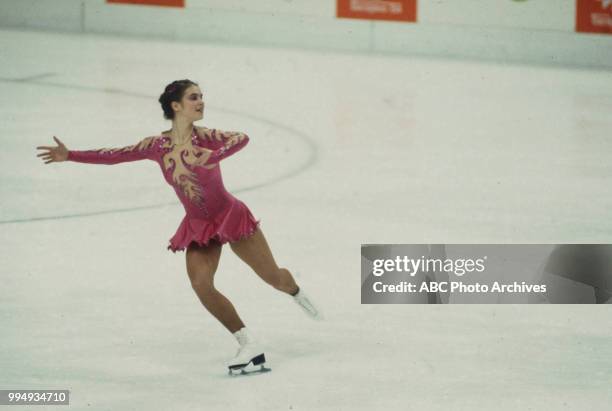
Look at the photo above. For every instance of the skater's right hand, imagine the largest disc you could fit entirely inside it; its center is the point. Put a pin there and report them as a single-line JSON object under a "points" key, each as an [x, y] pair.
{"points": [[54, 154]]}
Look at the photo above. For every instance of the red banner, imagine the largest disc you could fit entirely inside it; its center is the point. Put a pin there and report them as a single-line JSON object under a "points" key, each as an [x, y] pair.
{"points": [[594, 16], [395, 10], [165, 3]]}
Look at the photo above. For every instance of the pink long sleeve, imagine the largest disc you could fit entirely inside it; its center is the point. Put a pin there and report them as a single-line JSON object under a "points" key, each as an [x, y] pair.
{"points": [[140, 151], [227, 150], [221, 143]]}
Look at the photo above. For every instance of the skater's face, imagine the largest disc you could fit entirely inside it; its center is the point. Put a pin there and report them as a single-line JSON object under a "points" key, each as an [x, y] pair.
{"points": [[191, 105]]}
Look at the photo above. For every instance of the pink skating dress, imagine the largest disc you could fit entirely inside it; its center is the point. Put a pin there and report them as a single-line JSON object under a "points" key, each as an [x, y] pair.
{"points": [[193, 170]]}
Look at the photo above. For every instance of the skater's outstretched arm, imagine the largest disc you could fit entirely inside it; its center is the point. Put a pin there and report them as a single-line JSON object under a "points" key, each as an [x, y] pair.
{"points": [[139, 151], [215, 139], [221, 143]]}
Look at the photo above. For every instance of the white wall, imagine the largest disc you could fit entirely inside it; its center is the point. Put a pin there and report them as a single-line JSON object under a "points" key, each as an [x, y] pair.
{"points": [[530, 14], [539, 31]]}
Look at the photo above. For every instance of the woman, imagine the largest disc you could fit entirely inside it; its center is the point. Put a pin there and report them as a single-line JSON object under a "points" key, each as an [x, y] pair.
{"points": [[189, 158]]}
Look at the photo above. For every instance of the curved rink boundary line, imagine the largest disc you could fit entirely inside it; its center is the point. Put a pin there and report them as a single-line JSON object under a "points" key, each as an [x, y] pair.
{"points": [[310, 160]]}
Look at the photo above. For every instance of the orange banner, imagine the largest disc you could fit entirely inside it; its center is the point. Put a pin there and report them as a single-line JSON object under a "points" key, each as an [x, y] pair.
{"points": [[594, 16], [395, 10], [165, 3]]}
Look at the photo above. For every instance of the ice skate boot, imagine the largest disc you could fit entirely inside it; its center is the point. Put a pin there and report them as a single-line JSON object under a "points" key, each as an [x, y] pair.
{"points": [[306, 304], [250, 358]]}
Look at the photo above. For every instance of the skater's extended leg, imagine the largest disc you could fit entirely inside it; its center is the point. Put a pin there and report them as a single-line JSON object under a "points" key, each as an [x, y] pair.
{"points": [[202, 264], [255, 251]]}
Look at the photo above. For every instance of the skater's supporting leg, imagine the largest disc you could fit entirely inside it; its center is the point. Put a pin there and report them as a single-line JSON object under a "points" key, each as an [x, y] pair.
{"points": [[255, 251], [202, 264]]}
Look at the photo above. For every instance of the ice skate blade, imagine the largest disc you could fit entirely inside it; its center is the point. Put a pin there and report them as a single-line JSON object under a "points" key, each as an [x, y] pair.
{"points": [[308, 307], [257, 360], [316, 317], [246, 371], [255, 366]]}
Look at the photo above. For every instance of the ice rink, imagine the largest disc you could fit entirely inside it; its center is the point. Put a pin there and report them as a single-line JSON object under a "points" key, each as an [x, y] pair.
{"points": [[345, 149]]}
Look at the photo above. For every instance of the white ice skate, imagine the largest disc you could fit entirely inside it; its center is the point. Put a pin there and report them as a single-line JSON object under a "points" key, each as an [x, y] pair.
{"points": [[306, 304], [250, 358]]}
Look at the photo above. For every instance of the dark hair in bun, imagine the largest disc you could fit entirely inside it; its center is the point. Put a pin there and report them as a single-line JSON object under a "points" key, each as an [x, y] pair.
{"points": [[173, 92]]}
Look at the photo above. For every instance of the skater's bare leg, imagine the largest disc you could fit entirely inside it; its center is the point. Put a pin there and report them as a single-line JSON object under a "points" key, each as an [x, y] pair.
{"points": [[255, 251], [202, 264]]}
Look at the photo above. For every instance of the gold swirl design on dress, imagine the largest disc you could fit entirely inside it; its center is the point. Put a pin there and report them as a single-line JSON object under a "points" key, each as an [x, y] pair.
{"points": [[181, 159]]}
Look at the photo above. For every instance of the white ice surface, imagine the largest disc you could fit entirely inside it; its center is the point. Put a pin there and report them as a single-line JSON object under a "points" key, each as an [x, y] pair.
{"points": [[345, 149]]}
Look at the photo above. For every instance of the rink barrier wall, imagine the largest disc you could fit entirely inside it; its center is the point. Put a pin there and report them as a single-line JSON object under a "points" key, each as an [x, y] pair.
{"points": [[462, 29]]}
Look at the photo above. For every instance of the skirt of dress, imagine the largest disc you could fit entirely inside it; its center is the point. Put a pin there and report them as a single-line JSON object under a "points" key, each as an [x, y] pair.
{"points": [[234, 225]]}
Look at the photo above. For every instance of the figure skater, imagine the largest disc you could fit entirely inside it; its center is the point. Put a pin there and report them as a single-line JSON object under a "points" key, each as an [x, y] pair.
{"points": [[189, 158]]}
